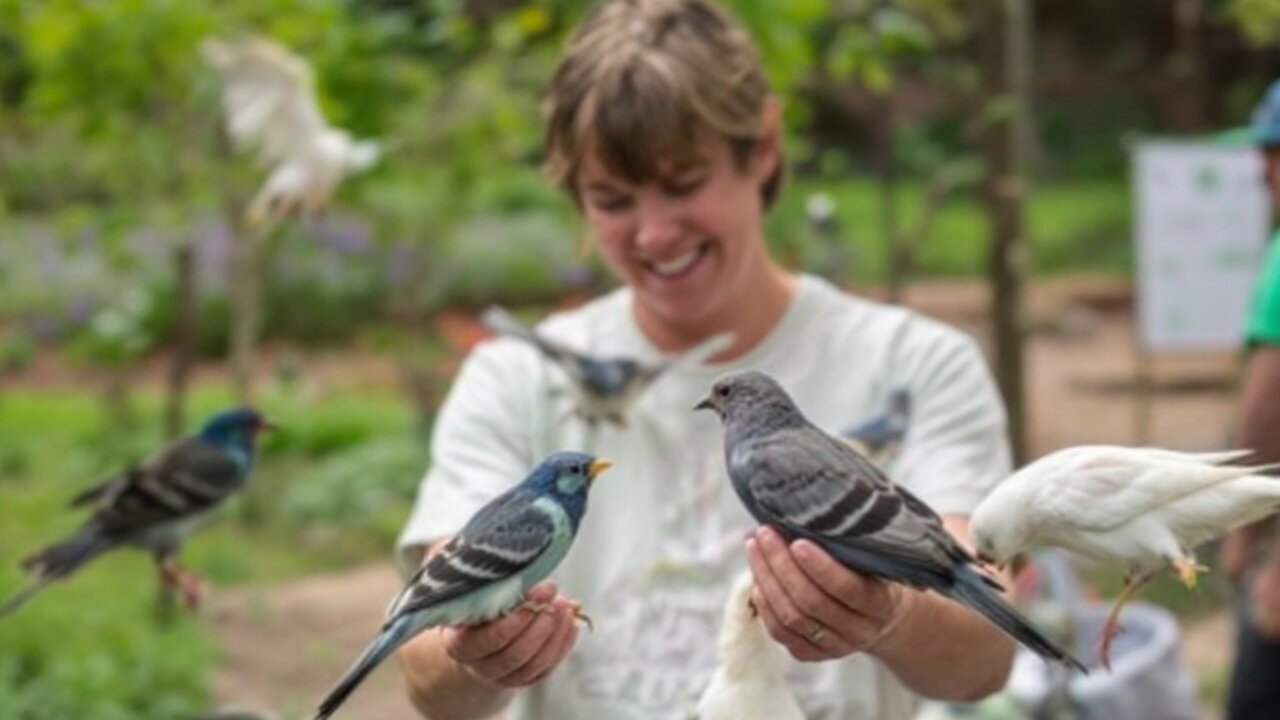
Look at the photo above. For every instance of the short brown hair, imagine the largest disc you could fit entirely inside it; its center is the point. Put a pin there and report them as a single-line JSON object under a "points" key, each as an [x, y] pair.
{"points": [[642, 81]]}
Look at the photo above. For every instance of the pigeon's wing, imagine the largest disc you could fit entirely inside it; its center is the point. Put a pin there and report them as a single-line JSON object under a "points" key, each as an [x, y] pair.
{"points": [[818, 487], [103, 489], [505, 537], [188, 478], [268, 97], [1106, 491], [504, 323]]}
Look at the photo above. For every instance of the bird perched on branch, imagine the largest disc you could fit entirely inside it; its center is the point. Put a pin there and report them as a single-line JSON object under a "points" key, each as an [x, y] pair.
{"points": [[269, 101], [508, 546], [1140, 507], [155, 505], [604, 389], [807, 484], [750, 681], [880, 437]]}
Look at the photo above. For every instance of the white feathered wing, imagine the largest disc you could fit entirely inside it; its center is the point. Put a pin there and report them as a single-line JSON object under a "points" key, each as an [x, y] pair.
{"points": [[269, 102]]}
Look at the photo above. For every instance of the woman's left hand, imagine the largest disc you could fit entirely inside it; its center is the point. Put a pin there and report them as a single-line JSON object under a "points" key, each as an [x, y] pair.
{"points": [[814, 606]]}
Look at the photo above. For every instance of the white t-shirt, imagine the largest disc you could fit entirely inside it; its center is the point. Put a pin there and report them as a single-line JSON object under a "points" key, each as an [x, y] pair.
{"points": [[663, 534]]}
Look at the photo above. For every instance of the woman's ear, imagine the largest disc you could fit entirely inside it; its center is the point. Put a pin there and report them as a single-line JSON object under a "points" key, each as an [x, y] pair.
{"points": [[768, 150]]}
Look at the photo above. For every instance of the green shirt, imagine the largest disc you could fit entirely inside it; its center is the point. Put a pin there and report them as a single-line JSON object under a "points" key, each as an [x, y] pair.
{"points": [[1264, 310]]}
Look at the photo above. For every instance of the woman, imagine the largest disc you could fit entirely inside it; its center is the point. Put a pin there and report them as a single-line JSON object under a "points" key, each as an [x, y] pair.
{"points": [[662, 130]]}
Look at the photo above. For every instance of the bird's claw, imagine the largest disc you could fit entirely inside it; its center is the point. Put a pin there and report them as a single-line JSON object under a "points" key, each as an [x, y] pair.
{"points": [[1187, 569], [580, 615]]}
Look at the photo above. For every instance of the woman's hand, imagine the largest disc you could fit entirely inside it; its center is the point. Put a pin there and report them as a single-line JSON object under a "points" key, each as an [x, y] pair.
{"points": [[522, 647], [814, 606]]}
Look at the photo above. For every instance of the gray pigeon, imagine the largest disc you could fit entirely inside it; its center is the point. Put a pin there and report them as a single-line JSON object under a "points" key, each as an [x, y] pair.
{"points": [[807, 484]]}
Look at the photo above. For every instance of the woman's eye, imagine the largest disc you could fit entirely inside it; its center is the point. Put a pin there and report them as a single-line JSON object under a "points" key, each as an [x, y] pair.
{"points": [[684, 186], [610, 203]]}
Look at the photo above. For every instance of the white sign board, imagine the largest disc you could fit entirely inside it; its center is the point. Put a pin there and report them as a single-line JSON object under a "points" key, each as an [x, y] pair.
{"points": [[1200, 223]]}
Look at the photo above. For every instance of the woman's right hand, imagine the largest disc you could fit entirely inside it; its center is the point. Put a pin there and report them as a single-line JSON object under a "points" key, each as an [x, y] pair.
{"points": [[522, 647]]}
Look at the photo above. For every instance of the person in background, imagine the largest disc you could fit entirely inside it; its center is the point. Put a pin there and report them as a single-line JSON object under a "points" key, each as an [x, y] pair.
{"points": [[663, 132], [1255, 679]]}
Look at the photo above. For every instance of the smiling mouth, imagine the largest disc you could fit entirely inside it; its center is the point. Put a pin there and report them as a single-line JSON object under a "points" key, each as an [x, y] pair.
{"points": [[677, 266]]}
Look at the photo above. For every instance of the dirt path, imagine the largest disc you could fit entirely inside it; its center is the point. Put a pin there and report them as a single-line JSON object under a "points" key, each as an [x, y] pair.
{"points": [[1080, 365], [319, 624]]}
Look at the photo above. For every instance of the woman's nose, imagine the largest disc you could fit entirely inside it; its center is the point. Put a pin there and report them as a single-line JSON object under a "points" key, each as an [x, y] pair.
{"points": [[658, 224]]}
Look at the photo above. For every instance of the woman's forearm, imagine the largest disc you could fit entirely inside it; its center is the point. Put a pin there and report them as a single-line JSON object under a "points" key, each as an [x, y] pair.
{"points": [[440, 689], [944, 651]]}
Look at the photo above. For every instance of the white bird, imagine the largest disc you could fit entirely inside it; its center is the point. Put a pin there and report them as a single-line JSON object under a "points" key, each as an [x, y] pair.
{"points": [[1142, 507], [750, 681], [269, 101]]}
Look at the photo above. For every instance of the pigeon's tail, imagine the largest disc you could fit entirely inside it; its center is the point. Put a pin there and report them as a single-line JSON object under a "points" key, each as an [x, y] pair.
{"points": [[974, 590], [504, 323], [392, 636], [21, 597], [65, 557], [56, 561]]}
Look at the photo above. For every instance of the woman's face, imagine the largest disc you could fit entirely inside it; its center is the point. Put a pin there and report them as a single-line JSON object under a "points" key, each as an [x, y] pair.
{"points": [[689, 243]]}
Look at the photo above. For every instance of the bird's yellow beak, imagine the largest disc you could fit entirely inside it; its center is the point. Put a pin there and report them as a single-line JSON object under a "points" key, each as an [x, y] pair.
{"points": [[598, 466]]}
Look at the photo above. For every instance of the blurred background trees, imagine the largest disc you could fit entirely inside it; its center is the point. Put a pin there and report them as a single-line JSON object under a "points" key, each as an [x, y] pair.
{"points": [[119, 200]]}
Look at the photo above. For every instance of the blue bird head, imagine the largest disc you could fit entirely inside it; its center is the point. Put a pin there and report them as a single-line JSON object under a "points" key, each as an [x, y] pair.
{"points": [[608, 376], [566, 477], [235, 428]]}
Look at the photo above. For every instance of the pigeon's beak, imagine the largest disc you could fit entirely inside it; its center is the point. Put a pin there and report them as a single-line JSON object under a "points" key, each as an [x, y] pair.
{"points": [[265, 426], [705, 404], [596, 467]]}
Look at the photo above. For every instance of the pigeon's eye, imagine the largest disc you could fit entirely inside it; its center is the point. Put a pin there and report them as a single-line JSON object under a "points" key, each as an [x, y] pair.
{"points": [[577, 469], [723, 391]]}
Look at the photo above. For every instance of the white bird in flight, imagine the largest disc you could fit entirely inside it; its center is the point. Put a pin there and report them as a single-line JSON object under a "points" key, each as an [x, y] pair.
{"points": [[269, 101], [1142, 507], [750, 681]]}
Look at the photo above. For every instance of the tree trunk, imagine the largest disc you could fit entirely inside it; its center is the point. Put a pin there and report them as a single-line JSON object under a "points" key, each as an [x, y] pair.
{"points": [[184, 335], [1186, 92], [1003, 45], [245, 287]]}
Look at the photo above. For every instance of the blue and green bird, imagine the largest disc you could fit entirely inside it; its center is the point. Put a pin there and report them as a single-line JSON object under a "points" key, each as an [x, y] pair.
{"points": [[507, 547], [155, 505]]}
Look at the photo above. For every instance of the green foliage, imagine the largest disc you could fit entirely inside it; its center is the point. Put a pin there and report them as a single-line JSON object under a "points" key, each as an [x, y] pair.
{"points": [[1071, 227], [1259, 20], [369, 487], [65, 657], [17, 351]]}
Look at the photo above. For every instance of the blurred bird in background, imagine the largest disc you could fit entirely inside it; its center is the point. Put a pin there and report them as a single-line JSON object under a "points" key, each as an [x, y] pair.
{"points": [[880, 437], [604, 389], [155, 505], [750, 681], [1140, 507], [509, 545], [836, 255], [269, 101]]}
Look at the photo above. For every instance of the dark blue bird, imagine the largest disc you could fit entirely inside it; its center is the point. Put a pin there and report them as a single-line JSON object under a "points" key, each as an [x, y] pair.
{"points": [[880, 436], [807, 484], [507, 547], [155, 505], [603, 388]]}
